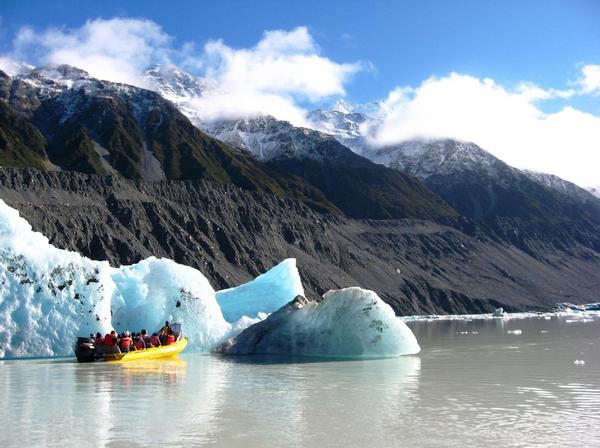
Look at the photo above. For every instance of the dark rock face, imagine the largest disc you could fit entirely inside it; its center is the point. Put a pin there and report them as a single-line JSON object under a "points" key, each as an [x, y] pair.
{"points": [[232, 235]]}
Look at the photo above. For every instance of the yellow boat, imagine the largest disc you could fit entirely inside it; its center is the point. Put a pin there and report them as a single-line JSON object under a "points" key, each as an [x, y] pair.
{"points": [[163, 351]]}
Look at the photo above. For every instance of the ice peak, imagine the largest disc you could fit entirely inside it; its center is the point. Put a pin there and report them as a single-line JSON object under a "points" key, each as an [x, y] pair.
{"points": [[342, 106], [60, 72]]}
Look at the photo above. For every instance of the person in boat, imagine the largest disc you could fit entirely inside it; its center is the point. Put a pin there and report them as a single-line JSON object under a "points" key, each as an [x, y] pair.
{"points": [[114, 347], [154, 340], [164, 333], [108, 339], [99, 343], [138, 342], [170, 338], [145, 336], [126, 342]]}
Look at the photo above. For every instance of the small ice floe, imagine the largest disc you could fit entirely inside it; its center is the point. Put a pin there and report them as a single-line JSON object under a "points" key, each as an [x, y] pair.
{"points": [[514, 331], [579, 362], [547, 317], [498, 313], [474, 332], [544, 331]]}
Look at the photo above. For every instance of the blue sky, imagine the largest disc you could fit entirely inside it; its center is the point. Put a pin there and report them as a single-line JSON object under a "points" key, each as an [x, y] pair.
{"points": [[406, 41], [519, 78]]}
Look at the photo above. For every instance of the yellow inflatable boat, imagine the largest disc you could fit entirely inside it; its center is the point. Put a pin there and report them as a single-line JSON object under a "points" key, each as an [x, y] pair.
{"points": [[149, 353]]}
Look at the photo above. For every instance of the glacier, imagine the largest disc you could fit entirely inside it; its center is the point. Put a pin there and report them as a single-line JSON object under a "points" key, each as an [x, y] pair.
{"points": [[351, 322], [50, 296], [266, 293]]}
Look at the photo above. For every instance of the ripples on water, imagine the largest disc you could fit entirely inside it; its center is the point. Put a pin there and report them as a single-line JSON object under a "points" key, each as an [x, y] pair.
{"points": [[476, 383]]}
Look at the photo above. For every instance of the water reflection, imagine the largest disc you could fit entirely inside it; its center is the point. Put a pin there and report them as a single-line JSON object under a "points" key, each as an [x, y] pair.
{"points": [[474, 383]]}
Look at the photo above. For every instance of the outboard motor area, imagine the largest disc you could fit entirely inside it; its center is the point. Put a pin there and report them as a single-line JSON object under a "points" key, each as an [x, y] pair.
{"points": [[85, 350]]}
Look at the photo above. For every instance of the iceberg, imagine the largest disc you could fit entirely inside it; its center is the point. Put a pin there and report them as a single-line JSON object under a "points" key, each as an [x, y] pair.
{"points": [[351, 322], [266, 293], [155, 290], [49, 296]]}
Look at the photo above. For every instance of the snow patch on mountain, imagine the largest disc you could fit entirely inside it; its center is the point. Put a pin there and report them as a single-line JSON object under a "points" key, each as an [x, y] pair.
{"points": [[267, 138], [556, 183]]}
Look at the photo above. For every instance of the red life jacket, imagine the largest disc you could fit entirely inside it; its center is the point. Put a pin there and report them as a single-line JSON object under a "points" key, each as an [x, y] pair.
{"points": [[108, 340], [170, 339], [154, 341], [126, 342], [99, 341], [139, 344]]}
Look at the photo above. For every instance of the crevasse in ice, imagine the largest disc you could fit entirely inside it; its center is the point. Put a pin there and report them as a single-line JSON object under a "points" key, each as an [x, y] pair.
{"points": [[351, 322], [266, 293]]}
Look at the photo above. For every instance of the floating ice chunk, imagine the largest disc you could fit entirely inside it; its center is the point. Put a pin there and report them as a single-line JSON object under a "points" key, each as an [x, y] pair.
{"points": [[266, 293], [350, 322], [579, 362], [514, 331], [48, 296], [498, 312], [155, 290]]}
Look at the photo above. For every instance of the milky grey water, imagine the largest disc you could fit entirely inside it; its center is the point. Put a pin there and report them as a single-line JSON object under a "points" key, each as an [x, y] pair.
{"points": [[473, 384]]}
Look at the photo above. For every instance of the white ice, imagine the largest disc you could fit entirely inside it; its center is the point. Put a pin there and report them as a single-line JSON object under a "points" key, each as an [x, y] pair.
{"points": [[266, 293], [351, 322], [49, 296]]}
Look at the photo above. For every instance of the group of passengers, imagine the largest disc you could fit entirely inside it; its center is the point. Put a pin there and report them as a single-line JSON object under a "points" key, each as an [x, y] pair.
{"points": [[127, 341]]}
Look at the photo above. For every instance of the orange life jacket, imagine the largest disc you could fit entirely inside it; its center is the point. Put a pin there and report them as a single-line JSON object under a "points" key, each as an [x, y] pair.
{"points": [[139, 344], [154, 341], [126, 342], [170, 339]]}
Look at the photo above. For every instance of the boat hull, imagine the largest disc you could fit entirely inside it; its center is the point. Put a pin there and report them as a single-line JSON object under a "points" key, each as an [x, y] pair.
{"points": [[163, 351]]}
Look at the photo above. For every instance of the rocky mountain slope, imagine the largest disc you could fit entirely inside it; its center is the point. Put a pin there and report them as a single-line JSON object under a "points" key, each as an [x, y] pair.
{"points": [[232, 235], [119, 173], [91, 126]]}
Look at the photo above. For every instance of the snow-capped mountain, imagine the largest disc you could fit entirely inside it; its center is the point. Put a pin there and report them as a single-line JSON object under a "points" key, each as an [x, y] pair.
{"points": [[595, 191], [564, 186], [423, 158], [267, 138], [346, 124]]}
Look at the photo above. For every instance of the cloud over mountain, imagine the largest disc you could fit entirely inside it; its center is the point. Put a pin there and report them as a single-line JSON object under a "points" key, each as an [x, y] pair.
{"points": [[510, 123]]}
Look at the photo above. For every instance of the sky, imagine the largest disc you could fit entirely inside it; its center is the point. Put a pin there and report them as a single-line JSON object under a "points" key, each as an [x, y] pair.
{"points": [[520, 78]]}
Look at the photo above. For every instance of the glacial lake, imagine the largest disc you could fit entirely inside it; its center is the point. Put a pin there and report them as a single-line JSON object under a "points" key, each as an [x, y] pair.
{"points": [[495, 382]]}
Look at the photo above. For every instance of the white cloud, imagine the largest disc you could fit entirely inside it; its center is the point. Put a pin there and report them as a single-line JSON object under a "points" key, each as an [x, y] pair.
{"points": [[508, 123], [590, 79], [283, 69], [117, 49]]}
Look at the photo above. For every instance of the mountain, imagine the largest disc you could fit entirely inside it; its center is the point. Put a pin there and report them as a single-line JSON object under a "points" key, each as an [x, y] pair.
{"points": [[343, 122], [61, 118], [232, 235], [120, 173], [483, 188], [105, 128], [359, 187], [564, 186]]}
